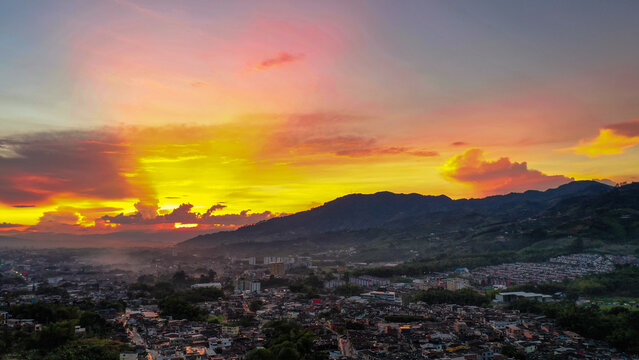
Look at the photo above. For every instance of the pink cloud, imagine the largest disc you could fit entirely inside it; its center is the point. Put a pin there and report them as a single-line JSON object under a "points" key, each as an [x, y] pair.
{"points": [[499, 176], [280, 59]]}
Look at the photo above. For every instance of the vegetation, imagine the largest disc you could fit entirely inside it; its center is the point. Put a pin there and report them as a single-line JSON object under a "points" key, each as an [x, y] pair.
{"points": [[622, 282], [286, 341], [177, 299], [158, 290], [45, 312], [180, 305], [511, 352], [255, 305], [57, 340], [618, 326], [348, 290], [460, 297], [274, 282], [179, 308], [210, 276], [310, 286], [431, 234], [88, 349]]}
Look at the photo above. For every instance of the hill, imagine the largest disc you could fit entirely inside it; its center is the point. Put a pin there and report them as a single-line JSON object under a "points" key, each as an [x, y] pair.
{"points": [[387, 226]]}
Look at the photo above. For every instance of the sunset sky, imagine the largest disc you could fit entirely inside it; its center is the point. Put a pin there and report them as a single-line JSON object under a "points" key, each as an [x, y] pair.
{"points": [[196, 116]]}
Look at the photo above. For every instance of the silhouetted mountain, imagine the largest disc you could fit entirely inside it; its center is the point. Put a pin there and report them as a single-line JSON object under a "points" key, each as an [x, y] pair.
{"points": [[414, 213], [10, 241]]}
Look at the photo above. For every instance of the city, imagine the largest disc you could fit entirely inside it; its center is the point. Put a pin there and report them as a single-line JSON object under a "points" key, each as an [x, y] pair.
{"points": [[223, 307]]}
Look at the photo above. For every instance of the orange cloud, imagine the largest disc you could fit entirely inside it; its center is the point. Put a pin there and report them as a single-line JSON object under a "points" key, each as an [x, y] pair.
{"points": [[282, 58], [499, 176], [59, 221], [613, 139]]}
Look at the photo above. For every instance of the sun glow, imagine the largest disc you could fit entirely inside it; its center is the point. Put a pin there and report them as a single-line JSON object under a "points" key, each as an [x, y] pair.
{"points": [[184, 226]]}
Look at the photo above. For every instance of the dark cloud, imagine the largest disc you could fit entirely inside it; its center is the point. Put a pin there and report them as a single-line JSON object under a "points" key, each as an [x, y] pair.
{"points": [[499, 176], [183, 214], [279, 60], [214, 208], [84, 164], [629, 128], [459, 143], [6, 225]]}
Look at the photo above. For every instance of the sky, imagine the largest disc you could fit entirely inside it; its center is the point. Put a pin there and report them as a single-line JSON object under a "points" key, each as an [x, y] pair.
{"points": [[131, 116]]}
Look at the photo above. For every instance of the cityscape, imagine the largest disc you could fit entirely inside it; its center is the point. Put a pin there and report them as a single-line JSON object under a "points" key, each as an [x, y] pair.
{"points": [[174, 305], [315, 180]]}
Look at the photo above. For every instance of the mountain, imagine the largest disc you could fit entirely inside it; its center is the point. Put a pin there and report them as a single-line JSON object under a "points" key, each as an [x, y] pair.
{"points": [[10, 241], [385, 218]]}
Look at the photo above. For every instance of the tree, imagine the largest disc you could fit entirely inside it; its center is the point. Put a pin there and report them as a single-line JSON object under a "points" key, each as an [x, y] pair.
{"points": [[288, 353], [146, 279], [510, 351], [348, 290], [288, 340], [577, 245], [255, 305], [180, 279], [260, 354], [179, 308]]}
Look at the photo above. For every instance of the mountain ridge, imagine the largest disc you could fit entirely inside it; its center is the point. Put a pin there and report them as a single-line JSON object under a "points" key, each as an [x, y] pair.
{"points": [[387, 210]]}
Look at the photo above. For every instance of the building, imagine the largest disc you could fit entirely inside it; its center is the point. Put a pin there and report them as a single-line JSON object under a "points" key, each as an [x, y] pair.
{"points": [[216, 344], [507, 297], [380, 295], [252, 260], [454, 284], [248, 285], [305, 261], [276, 268], [230, 330], [333, 283], [278, 259], [207, 285], [368, 281]]}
